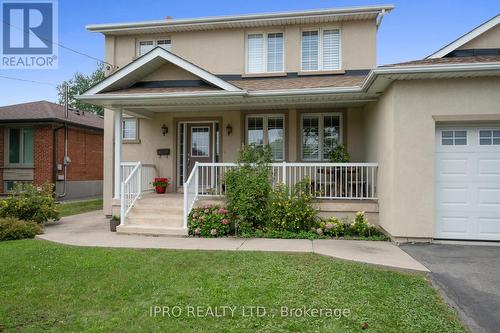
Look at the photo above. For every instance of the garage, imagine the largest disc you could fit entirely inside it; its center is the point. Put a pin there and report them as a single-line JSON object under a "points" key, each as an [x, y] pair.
{"points": [[467, 183]]}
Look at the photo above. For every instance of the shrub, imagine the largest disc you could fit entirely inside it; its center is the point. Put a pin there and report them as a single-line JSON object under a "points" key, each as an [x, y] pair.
{"points": [[209, 221], [248, 187], [12, 228], [30, 203], [291, 211], [360, 224], [339, 154], [333, 227]]}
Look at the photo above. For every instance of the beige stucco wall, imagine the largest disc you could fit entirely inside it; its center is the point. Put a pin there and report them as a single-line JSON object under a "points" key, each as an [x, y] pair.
{"points": [[223, 51], [488, 40], [401, 139]]}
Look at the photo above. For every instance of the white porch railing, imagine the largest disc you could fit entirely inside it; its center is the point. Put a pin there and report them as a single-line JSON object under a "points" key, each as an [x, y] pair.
{"points": [[349, 181], [136, 179]]}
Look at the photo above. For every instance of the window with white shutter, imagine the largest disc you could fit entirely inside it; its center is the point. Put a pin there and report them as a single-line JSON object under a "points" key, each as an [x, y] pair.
{"points": [[331, 49], [320, 50], [265, 52], [255, 53]]}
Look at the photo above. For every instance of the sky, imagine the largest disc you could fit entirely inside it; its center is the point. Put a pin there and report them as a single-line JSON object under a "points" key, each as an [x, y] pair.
{"points": [[413, 30]]}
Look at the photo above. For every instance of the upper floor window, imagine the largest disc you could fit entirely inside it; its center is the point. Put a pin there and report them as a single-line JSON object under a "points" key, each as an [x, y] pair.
{"points": [[321, 50], [265, 52], [147, 45], [129, 129], [20, 143]]}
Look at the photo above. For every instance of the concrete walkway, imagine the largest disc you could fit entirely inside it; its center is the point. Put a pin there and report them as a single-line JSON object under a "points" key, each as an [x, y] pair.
{"points": [[92, 229]]}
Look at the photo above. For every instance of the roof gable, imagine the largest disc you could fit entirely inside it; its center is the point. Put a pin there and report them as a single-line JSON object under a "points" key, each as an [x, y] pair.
{"points": [[150, 62], [466, 38]]}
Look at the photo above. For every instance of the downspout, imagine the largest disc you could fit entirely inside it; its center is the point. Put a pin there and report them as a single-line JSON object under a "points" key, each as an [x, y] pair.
{"points": [[380, 17], [66, 159], [54, 156]]}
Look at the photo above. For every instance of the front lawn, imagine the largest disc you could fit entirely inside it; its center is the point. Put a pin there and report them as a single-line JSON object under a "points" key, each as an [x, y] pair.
{"points": [[46, 286], [78, 207]]}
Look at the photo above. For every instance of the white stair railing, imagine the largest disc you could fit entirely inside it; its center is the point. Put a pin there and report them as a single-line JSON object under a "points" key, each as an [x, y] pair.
{"points": [[191, 190], [137, 178]]}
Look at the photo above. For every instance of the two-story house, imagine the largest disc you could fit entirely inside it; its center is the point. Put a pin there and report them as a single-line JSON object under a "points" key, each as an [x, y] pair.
{"points": [[182, 96]]}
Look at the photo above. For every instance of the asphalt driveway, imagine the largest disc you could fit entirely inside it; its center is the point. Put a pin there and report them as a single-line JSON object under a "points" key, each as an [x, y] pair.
{"points": [[469, 279]]}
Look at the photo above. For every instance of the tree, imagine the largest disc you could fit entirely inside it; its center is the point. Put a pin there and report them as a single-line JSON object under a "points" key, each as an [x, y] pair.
{"points": [[78, 84]]}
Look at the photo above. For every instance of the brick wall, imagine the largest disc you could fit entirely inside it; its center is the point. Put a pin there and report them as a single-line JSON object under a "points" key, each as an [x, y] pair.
{"points": [[85, 149], [43, 154]]}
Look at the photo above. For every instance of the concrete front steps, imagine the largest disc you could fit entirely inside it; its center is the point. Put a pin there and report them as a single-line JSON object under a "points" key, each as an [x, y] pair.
{"points": [[156, 215]]}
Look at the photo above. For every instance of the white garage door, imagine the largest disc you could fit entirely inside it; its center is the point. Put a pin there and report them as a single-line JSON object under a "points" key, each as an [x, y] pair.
{"points": [[467, 183]]}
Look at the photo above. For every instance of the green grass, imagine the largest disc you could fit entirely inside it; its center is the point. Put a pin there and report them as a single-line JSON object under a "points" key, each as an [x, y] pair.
{"points": [[78, 207], [45, 286]]}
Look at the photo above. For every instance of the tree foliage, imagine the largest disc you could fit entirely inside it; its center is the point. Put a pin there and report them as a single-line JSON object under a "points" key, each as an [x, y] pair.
{"points": [[78, 84]]}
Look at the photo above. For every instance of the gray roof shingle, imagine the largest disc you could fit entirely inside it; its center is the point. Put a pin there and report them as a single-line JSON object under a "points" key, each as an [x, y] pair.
{"points": [[47, 111]]}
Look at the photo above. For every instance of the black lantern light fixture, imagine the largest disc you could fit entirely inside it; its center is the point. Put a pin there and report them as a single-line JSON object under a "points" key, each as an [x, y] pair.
{"points": [[164, 129], [229, 129]]}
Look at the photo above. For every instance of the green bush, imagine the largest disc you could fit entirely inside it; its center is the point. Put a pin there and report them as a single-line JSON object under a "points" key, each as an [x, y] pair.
{"points": [[333, 227], [209, 221], [30, 203], [339, 154], [248, 187], [291, 211], [12, 228]]}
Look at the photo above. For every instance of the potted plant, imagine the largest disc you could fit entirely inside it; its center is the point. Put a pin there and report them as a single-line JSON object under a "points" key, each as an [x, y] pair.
{"points": [[114, 222], [161, 184]]}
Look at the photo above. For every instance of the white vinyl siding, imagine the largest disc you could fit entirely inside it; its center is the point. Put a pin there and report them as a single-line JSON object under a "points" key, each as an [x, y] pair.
{"points": [[267, 130], [265, 53], [320, 50], [320, 134]]}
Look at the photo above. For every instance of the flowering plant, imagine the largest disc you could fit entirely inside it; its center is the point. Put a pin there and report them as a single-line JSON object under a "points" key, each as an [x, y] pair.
{"points": [[209, 221], [163, 182]]}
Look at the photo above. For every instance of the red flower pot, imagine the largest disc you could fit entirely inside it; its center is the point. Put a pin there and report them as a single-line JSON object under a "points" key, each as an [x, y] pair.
{"points": [[160, 189]]}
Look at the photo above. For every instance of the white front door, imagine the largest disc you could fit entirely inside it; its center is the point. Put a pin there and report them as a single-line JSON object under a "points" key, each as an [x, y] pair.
{"points": [[467, 183]]}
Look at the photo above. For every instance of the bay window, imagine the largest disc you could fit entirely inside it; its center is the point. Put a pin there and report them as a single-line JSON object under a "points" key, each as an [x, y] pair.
{"points": [[320, 134], [320, 50], [265, 53], [267, 130]]}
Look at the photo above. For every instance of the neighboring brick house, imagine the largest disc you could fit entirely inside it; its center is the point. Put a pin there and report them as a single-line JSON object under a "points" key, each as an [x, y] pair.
{"points": [[32, 141]]}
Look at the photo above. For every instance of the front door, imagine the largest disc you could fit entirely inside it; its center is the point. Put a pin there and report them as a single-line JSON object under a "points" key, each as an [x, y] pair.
{"points": [[199, 145]]}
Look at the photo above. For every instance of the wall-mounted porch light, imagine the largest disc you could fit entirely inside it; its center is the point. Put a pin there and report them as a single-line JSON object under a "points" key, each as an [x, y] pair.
{"points": [[229, 129], [164, 129]]}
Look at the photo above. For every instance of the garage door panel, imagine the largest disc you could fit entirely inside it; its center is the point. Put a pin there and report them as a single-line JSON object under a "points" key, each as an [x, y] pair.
{"points": [[489, 227], [467, 189]]}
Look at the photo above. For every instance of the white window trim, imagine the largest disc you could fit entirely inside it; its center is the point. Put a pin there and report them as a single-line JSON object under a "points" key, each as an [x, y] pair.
{"points": [[155, 44], [321, 133], [492, 136], [21, 147], [265, 134], [264, 34], [467, 139], [128, 140], [320, 49]]}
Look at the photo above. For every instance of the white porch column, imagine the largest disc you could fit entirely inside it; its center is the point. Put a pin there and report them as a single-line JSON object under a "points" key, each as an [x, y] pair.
{"points": [[118, 152]]}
